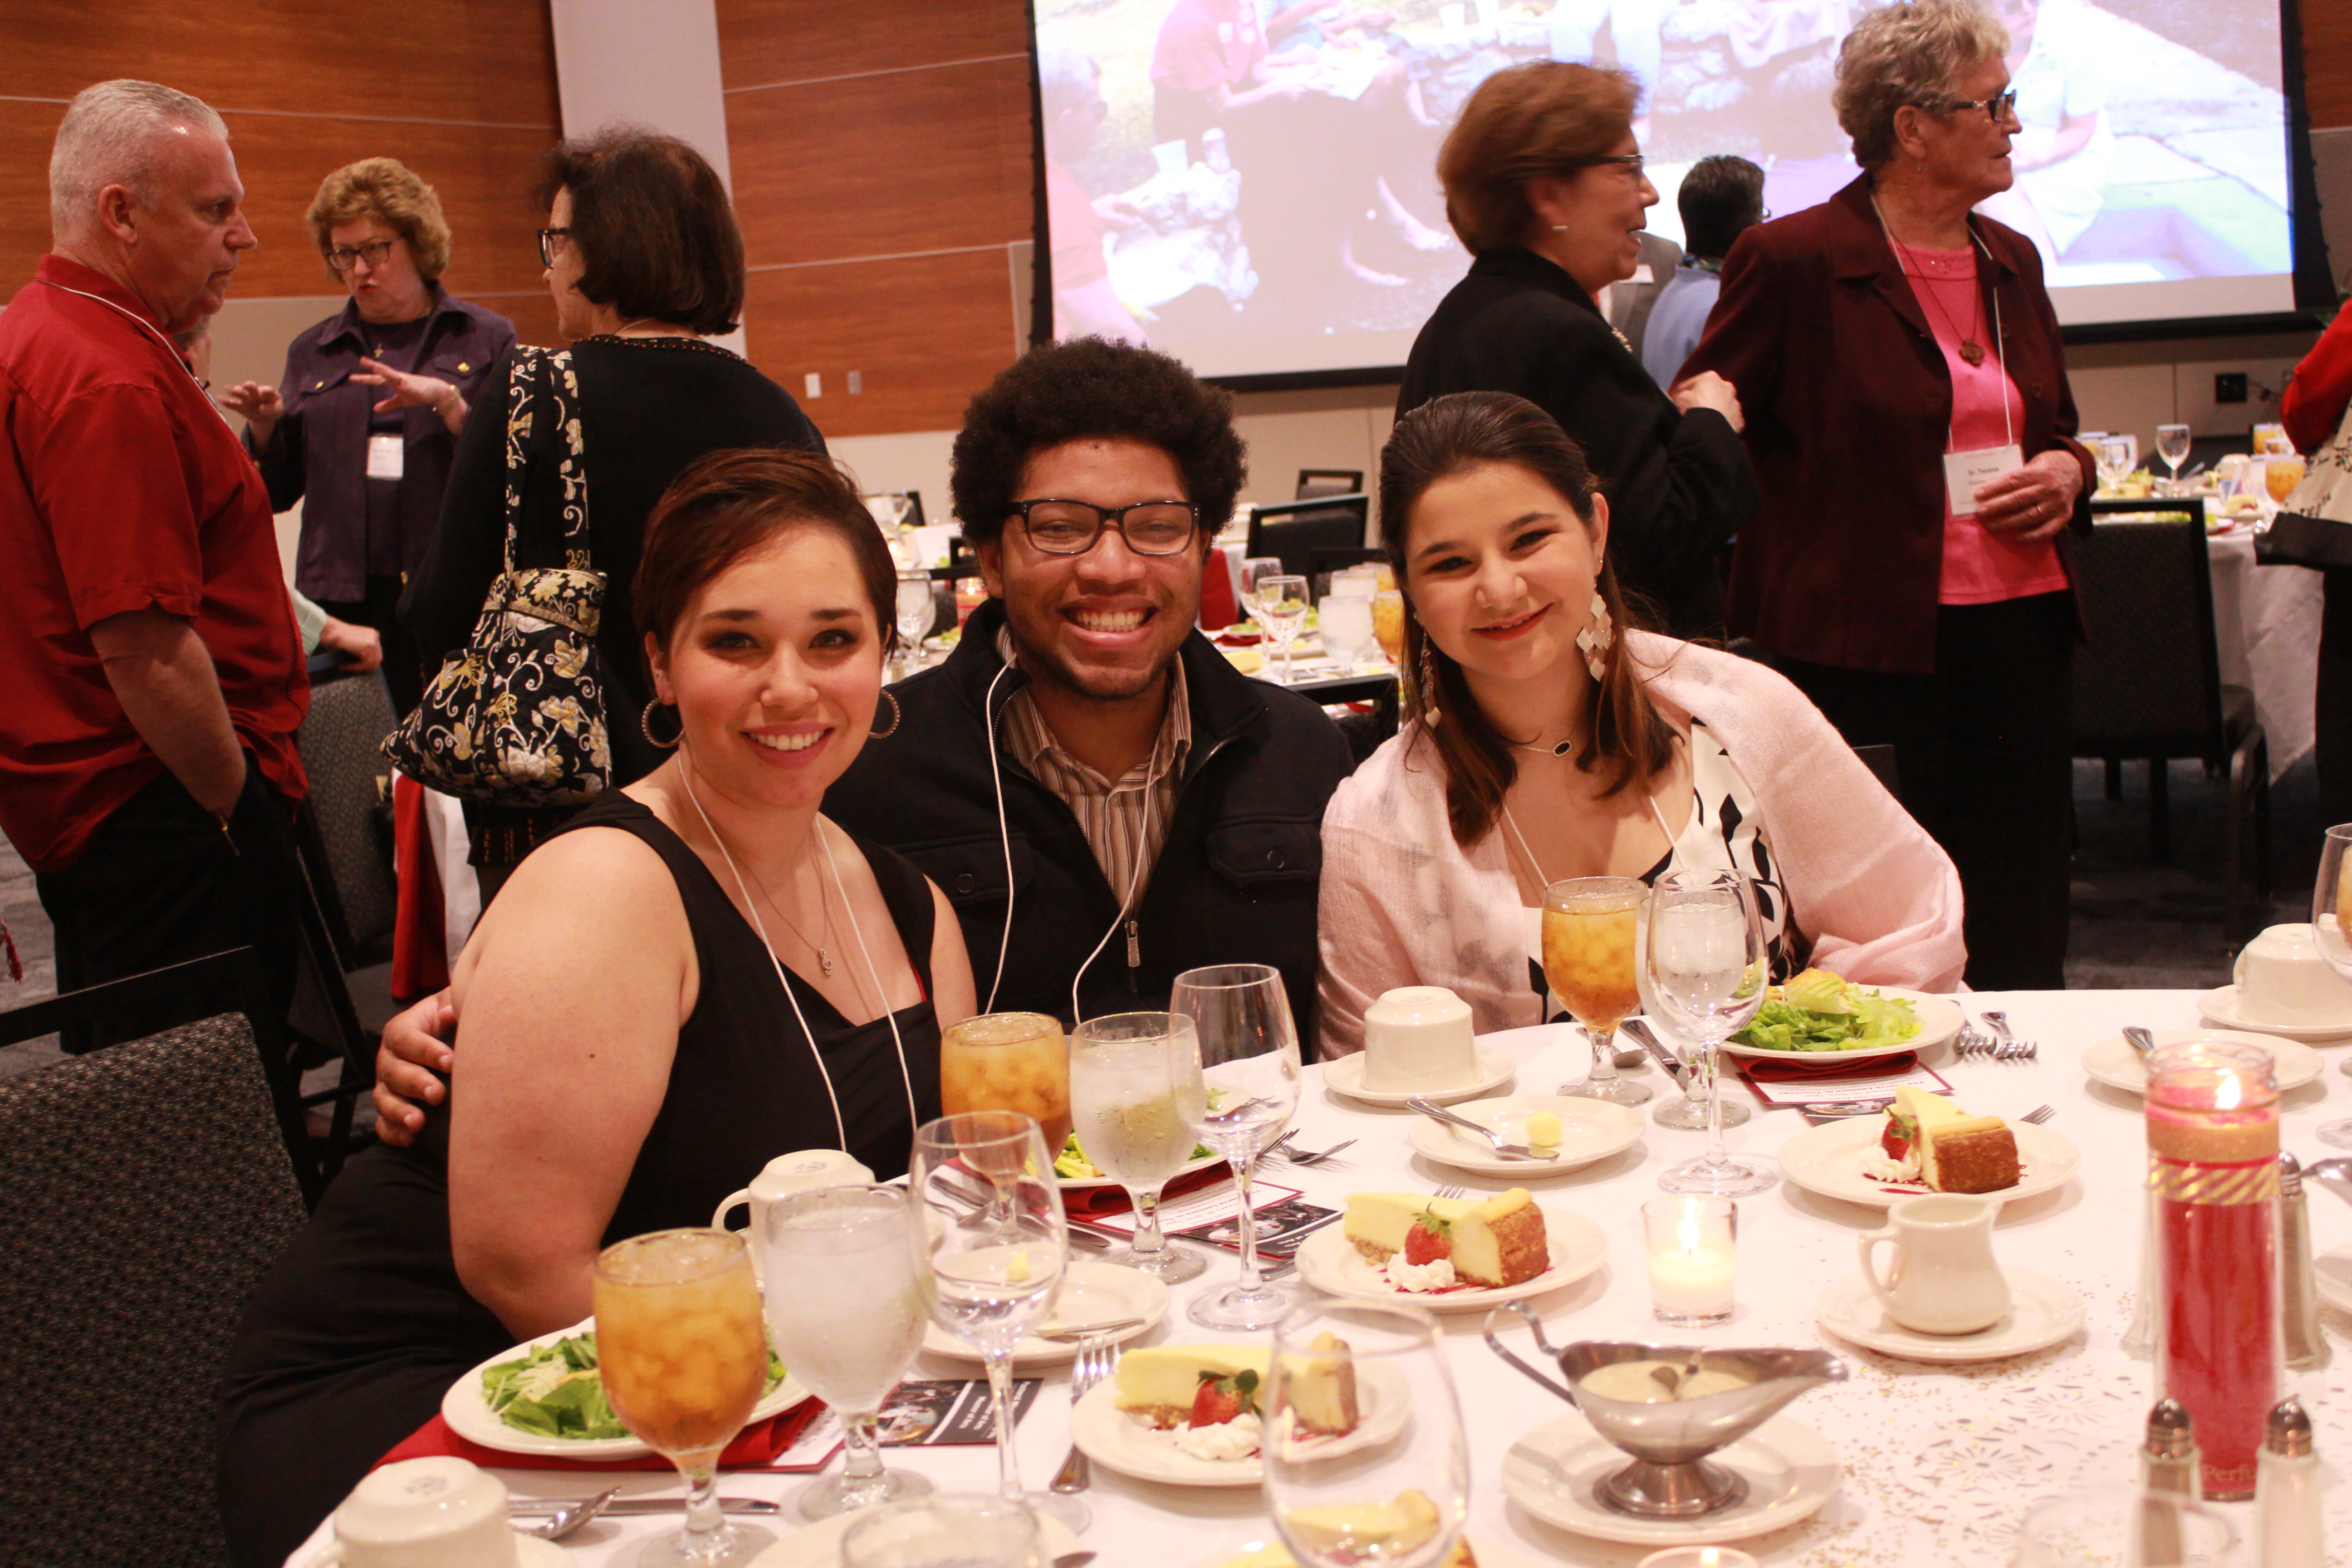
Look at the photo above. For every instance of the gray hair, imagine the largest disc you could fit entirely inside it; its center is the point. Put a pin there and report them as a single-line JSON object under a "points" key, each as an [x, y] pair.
{"points": [[1908, 54], [111, 136], [1067, 75]]}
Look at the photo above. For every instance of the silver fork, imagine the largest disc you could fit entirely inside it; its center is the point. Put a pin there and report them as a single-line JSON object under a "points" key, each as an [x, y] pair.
{"points": [[1450, 1190], [2011, 1048], [1298, 1156], [2039, 1114], [1501, 1145], [1096, 1360]]}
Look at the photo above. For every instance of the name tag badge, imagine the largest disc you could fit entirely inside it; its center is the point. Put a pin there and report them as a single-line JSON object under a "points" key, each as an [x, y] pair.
{"points": [[1964, 472], [385, 456]]}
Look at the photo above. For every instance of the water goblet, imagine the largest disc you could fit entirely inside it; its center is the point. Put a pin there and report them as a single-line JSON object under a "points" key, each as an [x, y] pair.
{"points": [[1281, 609], [1135, 1096], [1704, 948], [2172, 445], [916, 611], [1249, 1069]]}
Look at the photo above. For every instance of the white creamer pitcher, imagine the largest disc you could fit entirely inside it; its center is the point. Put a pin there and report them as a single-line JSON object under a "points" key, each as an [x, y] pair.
{"points": [[1945, 1281]]}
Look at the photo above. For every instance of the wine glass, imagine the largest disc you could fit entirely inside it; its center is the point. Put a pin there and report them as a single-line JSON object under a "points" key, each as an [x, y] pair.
{"points": [[1398, 1504], [1281, 609], [850, 1342], [1009, 1061], [2331, 906], [2172, 445], [1256, 569], [1346, 625], [684, 1356], [989, 1244], [1249, 1069], [1589, 929], [946, 1533], [1705, 951], [1135, 1096], [916, 611], [2117, 456]]}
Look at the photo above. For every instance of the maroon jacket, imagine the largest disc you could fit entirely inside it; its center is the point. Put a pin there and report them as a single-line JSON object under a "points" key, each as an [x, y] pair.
{"points": [[1849, 405]]}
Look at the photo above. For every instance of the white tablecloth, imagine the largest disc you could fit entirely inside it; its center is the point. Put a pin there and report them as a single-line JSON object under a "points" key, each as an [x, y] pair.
{"points": [[1939, 1463], [2266, 624]]}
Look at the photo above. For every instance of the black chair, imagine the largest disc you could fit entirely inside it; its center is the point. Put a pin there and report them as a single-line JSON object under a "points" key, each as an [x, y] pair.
{"points": [[2147, 685], [347, 818], [1297, 532], [1316, 483]]}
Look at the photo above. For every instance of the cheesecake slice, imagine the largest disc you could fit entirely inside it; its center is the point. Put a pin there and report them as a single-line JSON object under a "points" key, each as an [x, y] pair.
{"points": [[1957, 1153], [1160, 1382], [1321, 1390], [1492, 1242]]}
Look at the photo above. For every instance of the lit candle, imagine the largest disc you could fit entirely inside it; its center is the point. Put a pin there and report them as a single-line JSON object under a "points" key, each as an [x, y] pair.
{"points": [[1691, 1250]]}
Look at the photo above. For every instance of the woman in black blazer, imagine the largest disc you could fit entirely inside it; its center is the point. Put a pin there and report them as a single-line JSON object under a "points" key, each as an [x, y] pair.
{"points": [[1544, 184]]}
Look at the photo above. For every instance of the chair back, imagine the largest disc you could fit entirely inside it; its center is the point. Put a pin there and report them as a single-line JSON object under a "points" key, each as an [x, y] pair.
{"points": [[1314, 483], [143, 1191], [350, 808], [2148, 683], [1297, 532]]}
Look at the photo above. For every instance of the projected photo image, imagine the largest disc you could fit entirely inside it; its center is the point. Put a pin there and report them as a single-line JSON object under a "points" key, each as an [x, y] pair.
{"points": [[1251, 185]]}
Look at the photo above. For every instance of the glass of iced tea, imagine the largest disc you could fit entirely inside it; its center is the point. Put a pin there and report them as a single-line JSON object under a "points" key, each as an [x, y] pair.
{"points": [[1388, 623], [1590, 926], [684, 1353], [2281, 474], [1009, 1061]]}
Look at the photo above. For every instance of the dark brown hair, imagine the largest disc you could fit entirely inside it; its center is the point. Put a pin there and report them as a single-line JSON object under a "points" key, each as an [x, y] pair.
{"points": [[726, 503], [1626, 744], [656, 232], [1542, 118]]}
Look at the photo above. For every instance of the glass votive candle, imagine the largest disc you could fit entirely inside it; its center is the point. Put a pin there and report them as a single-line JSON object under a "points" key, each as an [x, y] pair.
{"points": [[1699, 1557], [1690, 1238]]}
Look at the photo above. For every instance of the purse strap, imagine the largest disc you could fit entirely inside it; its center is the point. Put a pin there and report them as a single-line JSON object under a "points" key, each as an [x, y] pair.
{"points": [[537, 372]]}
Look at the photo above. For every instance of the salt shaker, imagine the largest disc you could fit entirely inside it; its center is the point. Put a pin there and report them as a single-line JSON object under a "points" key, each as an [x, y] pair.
{"points": [[2301, 1344], [2286, 1492], [2169, 1476]]}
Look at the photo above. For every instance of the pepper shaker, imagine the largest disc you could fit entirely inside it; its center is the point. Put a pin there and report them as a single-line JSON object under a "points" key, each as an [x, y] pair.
{"points": [[2286, 1492], [2302, 1346], [2169, 1476]]}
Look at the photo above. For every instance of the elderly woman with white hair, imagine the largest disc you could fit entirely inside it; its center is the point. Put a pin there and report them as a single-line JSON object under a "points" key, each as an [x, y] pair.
{"points": [[1912, 430]]}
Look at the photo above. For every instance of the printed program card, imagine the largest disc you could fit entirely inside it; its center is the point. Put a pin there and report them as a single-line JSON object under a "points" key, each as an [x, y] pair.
{"points": [[1782, 1085]]}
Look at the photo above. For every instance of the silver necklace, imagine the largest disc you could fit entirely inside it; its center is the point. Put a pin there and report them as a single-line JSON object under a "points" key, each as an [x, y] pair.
{"points": [[824, 916]]}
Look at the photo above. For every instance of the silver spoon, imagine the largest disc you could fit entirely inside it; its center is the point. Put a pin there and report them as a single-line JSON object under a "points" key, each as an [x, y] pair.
{"points": [[2334, 1174], [2141, 1040], [567, 1518], [1435, 1111]]}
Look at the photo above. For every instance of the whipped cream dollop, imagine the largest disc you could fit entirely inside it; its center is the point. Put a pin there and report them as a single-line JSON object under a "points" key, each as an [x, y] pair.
{"points": [[1234, 1439], [1419, 1278], [1874, 1162]]}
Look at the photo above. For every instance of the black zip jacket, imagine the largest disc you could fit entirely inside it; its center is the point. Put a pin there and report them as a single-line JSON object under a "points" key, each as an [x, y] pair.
{"points": [[1235, 883]]}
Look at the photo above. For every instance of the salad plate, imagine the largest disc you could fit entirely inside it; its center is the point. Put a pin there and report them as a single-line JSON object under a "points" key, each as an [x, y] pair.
{"points": [[1330, 1261], [1108, 1183], [818, 1545], [1118, 1441], [1090, 1293], [2113, 1062], [1827, 1160], [1790, 1471], [469, 1415], [1940, 1020], [1590, 1130]]}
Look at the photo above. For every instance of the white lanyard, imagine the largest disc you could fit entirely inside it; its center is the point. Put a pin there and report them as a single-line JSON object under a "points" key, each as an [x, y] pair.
{"points": [[2000, 344]]}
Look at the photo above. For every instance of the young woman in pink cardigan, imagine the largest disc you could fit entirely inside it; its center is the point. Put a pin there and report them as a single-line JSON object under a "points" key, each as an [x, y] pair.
{"points": [[1544, 741]]}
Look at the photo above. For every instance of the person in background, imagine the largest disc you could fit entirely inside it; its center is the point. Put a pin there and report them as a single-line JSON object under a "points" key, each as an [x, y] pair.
{"points": [[1544, 184], [364, 426], [1069, 87], [1720, 198], [153, 681], [1549, 738], [645, 262], [2312, 409], [1912, 427], [1209, 62], [2064, 143], [1628, 303]]}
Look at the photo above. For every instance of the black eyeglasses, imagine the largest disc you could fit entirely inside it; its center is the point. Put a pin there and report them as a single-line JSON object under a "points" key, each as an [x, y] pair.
{"points": [[375, 252], [1629, 162], [546, 238], [1999, 107], [1073, 527]]}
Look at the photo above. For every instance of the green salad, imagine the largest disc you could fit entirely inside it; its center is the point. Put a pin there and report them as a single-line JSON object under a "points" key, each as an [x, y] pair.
{"points": [[1072, 1161], [1819, 1010], [554, 1390]]}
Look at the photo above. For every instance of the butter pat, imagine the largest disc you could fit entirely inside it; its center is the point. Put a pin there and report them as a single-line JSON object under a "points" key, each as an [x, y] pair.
{"points": [[1543, 1130]]}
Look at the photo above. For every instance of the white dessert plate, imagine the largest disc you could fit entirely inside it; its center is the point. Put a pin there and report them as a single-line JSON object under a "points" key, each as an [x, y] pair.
{"points": [[2219, 1006], [1091, 1293], [1828, 1160], [1116, 1440], [2113, 1062], [1939, 1020], [1100, 1184], [470, 1416], [1590, 1130], [818, 1545], [2333, 1272], [1330, 1261], [530, 1551], [2042, 1313], [1346, 1076], [1791, 1471]]}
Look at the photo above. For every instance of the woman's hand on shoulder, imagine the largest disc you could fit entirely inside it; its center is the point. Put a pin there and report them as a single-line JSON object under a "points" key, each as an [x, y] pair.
{"points": [[414, 1049], [1708, 390]]}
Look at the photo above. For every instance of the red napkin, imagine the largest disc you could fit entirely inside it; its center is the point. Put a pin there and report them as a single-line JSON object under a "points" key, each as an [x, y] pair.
{"points": [[1779, 1070], [1091, 1203], [756, 1448]]}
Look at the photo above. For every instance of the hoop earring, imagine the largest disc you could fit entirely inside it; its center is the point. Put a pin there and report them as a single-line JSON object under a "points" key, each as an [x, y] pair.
{"points": [[1598, 635], [1431, 714], [895, 714], [646, 722]]}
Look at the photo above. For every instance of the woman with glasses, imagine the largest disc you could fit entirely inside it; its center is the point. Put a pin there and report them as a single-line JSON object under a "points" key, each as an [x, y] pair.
{"points": [[646, 265], [1544, 184], [363, 426], [1912, 429]]}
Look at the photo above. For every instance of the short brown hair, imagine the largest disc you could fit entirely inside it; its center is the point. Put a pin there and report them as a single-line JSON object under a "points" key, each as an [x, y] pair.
{"points": [[388, 190], [656, 232], [726, 503], [1542, 118], [1626, 744], [1906, 54]]}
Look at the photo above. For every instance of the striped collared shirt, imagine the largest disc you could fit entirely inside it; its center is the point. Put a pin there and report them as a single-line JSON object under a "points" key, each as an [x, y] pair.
{"points": [[1125, 821]]}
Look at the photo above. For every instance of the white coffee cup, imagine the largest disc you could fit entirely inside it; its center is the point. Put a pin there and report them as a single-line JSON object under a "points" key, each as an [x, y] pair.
{"points": [[2282, 978], [1944, 1280], [1418, 1039], [785, 1176], [439, 1512]]}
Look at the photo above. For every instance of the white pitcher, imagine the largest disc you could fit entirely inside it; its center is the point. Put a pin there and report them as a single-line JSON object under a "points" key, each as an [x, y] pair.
{"points": [[783, 1176], [1944, 1280]]}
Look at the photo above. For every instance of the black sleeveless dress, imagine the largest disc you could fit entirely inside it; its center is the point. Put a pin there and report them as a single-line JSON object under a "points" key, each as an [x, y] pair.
{"points": [[356, 1332]]}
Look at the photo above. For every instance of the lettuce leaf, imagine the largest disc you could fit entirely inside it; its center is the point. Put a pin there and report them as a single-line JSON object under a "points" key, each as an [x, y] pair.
{"points": [[1817, 1011], [555, 1391]]}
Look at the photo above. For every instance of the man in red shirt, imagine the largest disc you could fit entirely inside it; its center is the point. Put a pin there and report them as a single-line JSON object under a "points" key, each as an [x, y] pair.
{"points": [[147, 645]]}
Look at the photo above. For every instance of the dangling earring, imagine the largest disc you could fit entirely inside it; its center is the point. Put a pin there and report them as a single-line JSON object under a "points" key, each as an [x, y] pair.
{"points": [[646, 722], [1431, 714], [895, 714], [1599, 633]]}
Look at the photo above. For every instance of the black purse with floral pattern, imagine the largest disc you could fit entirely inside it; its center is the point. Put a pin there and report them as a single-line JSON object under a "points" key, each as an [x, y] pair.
{"points": [[517, 718]]}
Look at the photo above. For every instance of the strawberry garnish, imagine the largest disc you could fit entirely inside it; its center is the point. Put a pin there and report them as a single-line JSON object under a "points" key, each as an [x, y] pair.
{"points": [[1900, 1134], [1219, 1399], [1430, 1239]]}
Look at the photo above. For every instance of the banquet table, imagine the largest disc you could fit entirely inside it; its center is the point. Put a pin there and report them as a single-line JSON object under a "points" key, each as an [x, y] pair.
{"points": [[2266, 629], [1939, 1463]]}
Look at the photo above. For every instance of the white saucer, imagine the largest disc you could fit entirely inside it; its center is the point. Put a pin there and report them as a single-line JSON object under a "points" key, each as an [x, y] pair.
{"points": [[532, 1552], [1091, 1292], [1346, 1076], [1330, 1261], [2219, 1006], [1791, 1471], [2113, 1062], [1941, 1019], [2332, 1270], [2042, 1313], [818, 1545], [1590, 1130], [1828, 1160], [1117, 1441]]}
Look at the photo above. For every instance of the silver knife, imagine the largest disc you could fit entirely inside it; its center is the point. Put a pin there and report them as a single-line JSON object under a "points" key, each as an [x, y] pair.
{"points": [[1640, 1029], [538, 1507]]}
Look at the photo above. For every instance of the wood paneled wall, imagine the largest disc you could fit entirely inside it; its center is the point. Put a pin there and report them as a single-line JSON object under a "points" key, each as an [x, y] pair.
{"points": [[882, 170], [2327, 62], [463, 91]]}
